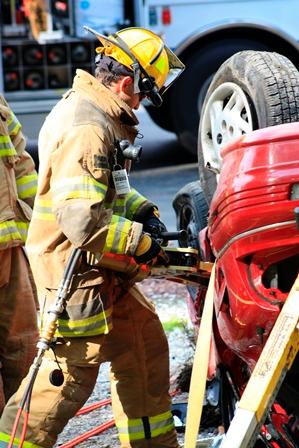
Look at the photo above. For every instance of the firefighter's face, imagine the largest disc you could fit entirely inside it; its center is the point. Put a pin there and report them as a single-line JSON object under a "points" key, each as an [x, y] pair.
{"points": [[125, 90]]}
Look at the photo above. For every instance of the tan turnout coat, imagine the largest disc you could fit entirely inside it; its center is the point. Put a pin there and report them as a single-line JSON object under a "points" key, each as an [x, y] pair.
{"points": [[76, 203]]}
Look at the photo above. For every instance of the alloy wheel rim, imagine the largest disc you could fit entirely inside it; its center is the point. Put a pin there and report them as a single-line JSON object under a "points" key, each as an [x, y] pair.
{"points": [[227, 116]]}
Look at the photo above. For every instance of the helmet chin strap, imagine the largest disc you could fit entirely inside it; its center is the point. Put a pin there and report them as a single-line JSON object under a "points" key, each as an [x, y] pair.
{"points": [[136, 70]]}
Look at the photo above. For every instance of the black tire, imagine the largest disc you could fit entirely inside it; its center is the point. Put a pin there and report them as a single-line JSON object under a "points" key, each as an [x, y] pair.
{"points": [[189, 90], [271, 84], [191, 211]]}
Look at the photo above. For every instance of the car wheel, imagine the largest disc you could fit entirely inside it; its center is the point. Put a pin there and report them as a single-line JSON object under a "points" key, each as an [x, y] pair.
{"points": [[251, 90], [191, 87], [191, 211]]}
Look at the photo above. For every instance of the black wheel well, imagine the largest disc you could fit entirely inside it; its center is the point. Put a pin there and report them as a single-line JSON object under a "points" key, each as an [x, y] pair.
{"points": [[249, 32]]}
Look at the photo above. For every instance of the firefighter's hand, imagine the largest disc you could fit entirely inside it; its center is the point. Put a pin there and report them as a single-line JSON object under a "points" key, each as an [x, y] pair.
{"points": [[148, 250], [154, 226]]}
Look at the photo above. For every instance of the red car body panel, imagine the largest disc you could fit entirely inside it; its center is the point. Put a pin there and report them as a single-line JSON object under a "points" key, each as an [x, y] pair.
{"points": [[252, 230]]}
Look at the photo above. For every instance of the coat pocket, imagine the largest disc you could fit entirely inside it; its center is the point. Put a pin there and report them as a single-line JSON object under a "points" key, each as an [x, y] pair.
{"points": [[84, 314]]}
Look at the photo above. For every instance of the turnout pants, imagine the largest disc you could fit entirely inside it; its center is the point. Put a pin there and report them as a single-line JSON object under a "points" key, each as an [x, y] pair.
{"points": [[138, 352], [18, 322]]}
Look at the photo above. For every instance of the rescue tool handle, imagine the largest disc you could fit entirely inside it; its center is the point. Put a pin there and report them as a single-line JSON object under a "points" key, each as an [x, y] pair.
{"points": [[179, 235]]}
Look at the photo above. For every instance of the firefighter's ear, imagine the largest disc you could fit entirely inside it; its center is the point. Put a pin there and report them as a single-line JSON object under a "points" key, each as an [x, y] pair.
{"points": [[126, 84]]}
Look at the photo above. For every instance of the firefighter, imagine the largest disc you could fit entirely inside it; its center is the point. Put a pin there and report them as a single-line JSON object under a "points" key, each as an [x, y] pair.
{"points": [[84, 200], [36, 13], [18, 323]]}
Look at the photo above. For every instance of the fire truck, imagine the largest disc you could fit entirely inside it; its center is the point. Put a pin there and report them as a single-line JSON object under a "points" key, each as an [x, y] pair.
{"points": [[34, 72]]}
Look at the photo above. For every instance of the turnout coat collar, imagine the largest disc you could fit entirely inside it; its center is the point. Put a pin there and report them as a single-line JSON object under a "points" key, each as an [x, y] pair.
{"points": [[103, 97]]}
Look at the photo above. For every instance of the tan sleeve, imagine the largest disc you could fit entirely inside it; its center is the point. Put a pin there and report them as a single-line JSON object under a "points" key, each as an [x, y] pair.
{"points": [[25, 174]]}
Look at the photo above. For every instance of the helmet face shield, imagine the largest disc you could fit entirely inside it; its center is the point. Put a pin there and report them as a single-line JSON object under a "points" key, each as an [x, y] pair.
{"points": [[176, 68], [154, 66]]}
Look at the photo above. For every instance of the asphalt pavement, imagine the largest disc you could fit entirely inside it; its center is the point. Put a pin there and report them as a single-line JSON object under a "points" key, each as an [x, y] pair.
{"points": [[160, 186]]}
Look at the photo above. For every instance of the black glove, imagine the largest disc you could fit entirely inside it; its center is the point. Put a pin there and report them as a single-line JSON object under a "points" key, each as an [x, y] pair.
{"points": [[148, 249], [155, 227]]}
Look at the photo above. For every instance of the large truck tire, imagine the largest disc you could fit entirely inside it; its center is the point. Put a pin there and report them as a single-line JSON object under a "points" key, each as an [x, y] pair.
{"points": [[251, 90], [188, 93]]}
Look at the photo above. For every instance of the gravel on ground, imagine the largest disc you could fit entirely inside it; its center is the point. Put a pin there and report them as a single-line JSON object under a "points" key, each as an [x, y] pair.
{"points": [[169, 299]]}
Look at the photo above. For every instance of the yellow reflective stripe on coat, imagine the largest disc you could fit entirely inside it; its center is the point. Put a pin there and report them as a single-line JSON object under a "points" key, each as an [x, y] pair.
{"points": [[6, 146], [27, 186], [13, 124], [13, 231], [43, 210], [117, 236], [133, 202], [79, 187], [134, 429], [5, 438], [91, 326]]}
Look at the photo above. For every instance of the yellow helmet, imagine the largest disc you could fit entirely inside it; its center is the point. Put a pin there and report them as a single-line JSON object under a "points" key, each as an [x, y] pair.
{"points": [[154, 65]]}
